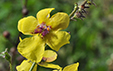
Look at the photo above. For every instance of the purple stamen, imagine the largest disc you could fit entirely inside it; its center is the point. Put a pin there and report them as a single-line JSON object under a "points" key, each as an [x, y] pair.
{"points": [[38, 30], [45, 32], [42, 29]]}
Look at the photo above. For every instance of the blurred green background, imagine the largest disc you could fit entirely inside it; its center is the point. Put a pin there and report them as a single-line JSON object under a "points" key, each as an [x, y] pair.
{"points": [[91, 42]]}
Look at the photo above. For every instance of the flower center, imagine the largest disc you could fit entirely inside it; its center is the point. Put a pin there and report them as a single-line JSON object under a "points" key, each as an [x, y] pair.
{"points": [[42, 29]]}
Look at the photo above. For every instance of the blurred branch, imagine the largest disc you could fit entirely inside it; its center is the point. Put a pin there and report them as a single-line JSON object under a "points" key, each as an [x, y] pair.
{"points": [[25, 4], [24, 13], [24, 8]]}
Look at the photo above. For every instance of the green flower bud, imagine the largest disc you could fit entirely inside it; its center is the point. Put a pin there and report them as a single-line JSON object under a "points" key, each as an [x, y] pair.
{"points": [[6, 55]]}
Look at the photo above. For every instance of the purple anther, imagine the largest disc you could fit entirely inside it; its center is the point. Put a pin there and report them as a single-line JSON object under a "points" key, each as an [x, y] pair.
{"points": [[41, 27], [44, 59], [45, 32], [38, 30]]}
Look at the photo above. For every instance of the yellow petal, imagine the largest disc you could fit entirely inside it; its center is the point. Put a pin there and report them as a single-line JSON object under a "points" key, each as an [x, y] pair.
{"points": [[44, 14], [25, 66], [59, 20], [50, 55], [53, 66], [73, 67], [57, 39], [32, 48], [27, 25], [57, 70], [20, 39]]}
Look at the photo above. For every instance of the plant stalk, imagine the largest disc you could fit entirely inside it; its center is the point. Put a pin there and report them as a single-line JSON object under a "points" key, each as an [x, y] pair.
{"points": [[74, 10], [33, 65], [10, 67]]}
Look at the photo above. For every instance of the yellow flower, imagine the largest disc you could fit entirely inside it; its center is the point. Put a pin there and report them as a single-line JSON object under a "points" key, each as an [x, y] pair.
{"points": [[72, 67], [44, 30], [50, 56], [25, 66]]}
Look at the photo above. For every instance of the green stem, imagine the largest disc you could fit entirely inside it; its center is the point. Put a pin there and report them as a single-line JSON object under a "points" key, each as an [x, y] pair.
{"points": [[75, 9], [33, 65], [11, 67], [72, 12]]}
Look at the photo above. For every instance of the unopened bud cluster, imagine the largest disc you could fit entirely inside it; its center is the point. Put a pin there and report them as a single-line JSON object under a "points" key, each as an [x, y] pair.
{"points": [[81, 9]]}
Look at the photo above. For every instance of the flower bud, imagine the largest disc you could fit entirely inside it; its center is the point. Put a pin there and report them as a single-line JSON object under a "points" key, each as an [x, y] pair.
{"points": [[25, 11], [79, 15], [91, 2], [13, 50], [6, 34], [6, 55], [76, 5]]}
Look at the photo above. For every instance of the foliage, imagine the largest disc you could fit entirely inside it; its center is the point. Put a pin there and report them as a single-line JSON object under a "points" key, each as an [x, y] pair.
{"points": [[91, 41]]}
